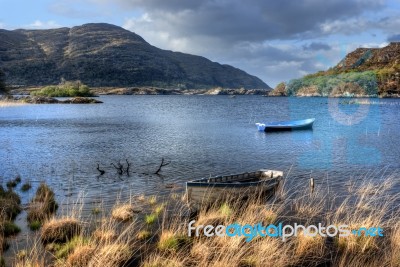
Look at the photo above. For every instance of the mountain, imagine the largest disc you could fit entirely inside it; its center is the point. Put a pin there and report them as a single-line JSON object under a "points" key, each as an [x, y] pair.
{"points": [[101, 54], [363, 72]]}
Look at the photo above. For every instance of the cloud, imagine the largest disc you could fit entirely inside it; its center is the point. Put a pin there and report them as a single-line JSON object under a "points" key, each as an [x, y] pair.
{"points": [[394, 38], [253, 20], [38, 24], [347, 26], [245, 33], [317, 46], [69, 10]]}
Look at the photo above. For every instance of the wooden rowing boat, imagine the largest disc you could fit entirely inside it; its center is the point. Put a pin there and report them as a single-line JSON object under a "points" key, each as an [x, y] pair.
{"points": [[207, 191]]}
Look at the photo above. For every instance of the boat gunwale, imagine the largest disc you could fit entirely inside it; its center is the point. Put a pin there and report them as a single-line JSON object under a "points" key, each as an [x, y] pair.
{"points": [[205, 182], [259, 183]]}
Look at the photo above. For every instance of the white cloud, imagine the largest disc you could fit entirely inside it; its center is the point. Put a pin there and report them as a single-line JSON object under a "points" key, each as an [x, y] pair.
{"points": [[38, 24], [162, 39]]}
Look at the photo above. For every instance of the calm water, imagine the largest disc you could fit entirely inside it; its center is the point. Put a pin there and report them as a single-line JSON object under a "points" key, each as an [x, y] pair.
{"points": [[199, 135]]}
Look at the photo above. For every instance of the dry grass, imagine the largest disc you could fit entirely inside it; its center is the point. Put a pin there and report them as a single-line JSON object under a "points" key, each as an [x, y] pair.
{"points": [[312, 250], [143, 235], [105, 235], [2, 243], [152, 200], [9, 203], [59, 230], [116, 254], [266, 252], [160, 261], [81, 256], [9, 103], [171, 241], [216, 215], [124, 212], [395, 245], [33, 257], [165, 242], [43, 205]]}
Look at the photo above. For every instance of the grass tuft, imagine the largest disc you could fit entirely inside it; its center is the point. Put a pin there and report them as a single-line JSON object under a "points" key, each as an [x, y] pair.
{"points": [[9, 203], [143, 235], [159, 208], [81, 256], [225, 209], [152, 200], [43, 204], [60, 230], [35, 225], [124, 212], [96, 211], [105, 235], [160, 261], [10, 229], [171, 241], [115, 254], [150, 218], [65, 249]]}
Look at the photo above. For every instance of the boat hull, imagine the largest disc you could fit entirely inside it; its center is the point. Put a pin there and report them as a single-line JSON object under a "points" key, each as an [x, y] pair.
{"points": [[208, 191], [286, 125]]}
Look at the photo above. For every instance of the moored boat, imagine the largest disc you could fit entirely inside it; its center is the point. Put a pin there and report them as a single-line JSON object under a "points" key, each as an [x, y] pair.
{"points": [[207, 191], [286, 125]]}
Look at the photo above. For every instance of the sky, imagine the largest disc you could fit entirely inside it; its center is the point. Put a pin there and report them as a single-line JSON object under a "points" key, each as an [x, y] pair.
{"points": [[273, 40]]}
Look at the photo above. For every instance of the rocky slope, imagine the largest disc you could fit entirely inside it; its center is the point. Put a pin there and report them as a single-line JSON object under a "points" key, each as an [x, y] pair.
{"points": [[363, 72], [107, 55]]}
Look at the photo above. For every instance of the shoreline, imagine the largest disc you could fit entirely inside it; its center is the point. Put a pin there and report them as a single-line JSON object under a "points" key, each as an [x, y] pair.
{"points": [[19, 100], [146, 90]]}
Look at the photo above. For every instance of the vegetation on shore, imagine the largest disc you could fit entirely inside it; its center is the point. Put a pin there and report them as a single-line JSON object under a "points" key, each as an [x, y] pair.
{"points": [[336, 85], [363, 72], [42, 206], [65, 89], [144, 232], [9, 209]]}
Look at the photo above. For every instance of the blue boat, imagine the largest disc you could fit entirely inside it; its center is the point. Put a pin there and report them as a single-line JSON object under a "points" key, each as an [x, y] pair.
{"points": [[286, 125]]}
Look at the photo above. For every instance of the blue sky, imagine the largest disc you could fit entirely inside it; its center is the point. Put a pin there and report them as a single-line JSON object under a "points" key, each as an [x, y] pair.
{"points": [[274, 40]]}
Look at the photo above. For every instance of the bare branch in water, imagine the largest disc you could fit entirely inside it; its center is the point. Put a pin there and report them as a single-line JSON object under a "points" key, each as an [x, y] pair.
{"points": [[162, 165]]}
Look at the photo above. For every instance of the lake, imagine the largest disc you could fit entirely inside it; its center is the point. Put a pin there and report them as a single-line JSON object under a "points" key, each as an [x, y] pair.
{"points": [[200, 136]]}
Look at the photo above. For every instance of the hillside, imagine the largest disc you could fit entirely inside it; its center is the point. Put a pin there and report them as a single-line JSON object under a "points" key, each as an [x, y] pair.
{"points": [[106, 55], [363, 72]]}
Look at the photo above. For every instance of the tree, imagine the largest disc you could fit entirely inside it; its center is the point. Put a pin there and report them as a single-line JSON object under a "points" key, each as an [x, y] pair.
{"points": [[3, 89]]}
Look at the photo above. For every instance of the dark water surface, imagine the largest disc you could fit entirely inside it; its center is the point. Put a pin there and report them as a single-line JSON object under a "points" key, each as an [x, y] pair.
{"points": [[200, 135]]}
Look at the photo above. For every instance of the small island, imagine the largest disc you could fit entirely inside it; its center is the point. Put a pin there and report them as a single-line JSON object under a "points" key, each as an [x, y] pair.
{"points": [[64, 89], [77, 92]]}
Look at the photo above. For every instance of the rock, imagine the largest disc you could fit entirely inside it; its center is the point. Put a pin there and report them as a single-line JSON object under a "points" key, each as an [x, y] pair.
{"points": [[310, 91], [51, 100], [163, 91], [39, 100], [81, 100]]}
